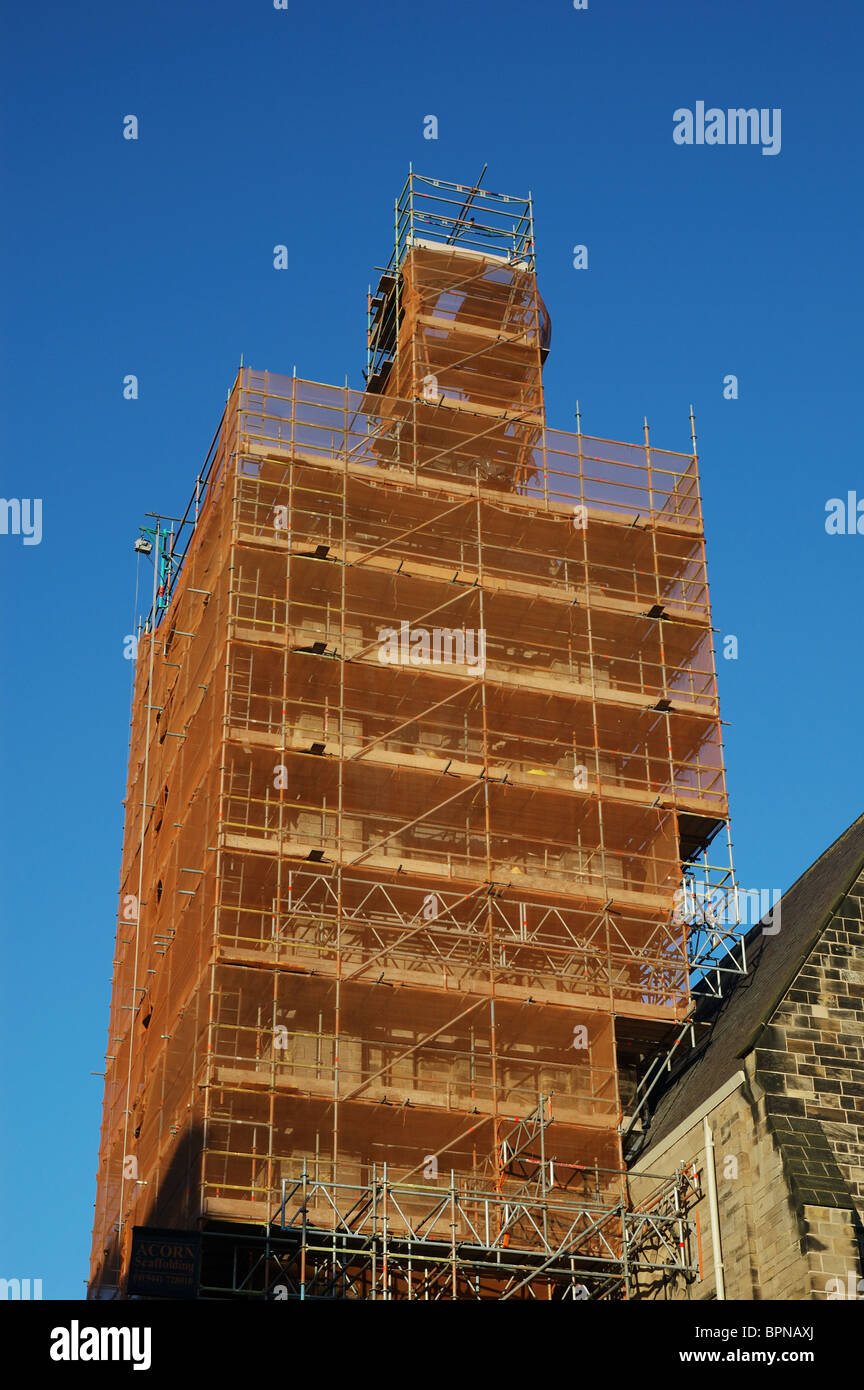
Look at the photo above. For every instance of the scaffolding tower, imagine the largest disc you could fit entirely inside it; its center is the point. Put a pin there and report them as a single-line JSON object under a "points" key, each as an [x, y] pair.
{"points": [[425, 732]]}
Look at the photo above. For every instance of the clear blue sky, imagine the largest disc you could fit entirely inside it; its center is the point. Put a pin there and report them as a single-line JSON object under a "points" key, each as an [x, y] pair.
{"points": [[155, 257]]}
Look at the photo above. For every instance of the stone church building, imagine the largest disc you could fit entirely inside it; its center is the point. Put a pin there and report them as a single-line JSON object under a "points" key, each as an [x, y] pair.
{"points": [[769, 1108]]}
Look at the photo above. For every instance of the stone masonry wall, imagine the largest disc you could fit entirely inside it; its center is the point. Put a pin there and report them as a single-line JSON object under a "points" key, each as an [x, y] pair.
{"points": [[789, 1143]]}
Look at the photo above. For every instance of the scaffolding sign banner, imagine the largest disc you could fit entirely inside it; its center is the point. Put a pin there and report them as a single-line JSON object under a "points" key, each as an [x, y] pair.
{"points": [[164, 1264]]}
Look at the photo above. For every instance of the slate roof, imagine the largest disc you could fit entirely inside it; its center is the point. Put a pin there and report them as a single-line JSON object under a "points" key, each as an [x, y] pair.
{"points": [[774, 961]]}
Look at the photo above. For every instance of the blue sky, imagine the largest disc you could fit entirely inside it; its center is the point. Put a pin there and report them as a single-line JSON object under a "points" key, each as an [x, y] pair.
{"points": [[155, 257]]}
